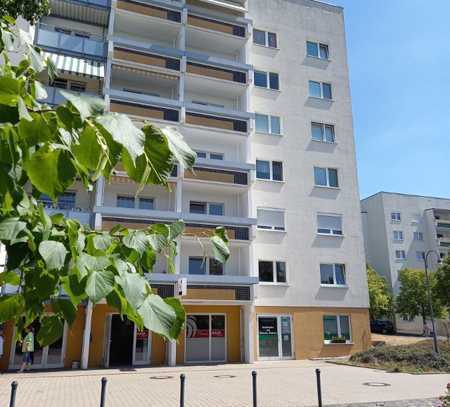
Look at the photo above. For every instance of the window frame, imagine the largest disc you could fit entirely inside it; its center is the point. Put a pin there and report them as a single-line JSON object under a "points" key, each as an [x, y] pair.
{"points": [[271, 228], [318, 44], [344, 266], [270, 171], [394, 219], [321, 97], [331, 230], [327, 173], [266, 39], [269, 124], [420, 254], [208, 155], [274, 273], [416, 235], [206, 260], [400, 258], [208, 207], [267, 74], [398, 236], [323, 126], [135, 201], [339, 330]]}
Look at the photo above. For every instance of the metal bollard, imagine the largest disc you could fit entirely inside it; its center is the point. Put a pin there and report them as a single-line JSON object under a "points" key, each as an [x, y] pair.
{"points": [[255, 399], [319, 388], [12, 400], [182, 382], [103, 393]]}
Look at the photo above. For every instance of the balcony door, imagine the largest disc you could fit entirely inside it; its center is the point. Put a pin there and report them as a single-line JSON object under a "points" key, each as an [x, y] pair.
{"points": [[275, 337]]}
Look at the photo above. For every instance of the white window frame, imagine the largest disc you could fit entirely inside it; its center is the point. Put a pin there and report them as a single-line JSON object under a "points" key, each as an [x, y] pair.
{"points": [[416, 235], [398, 236], [266, 39], [400, 258], [208, 155], [269, 121], [318, 43], [395, 218], [321, 90], [336, 215], [272, 228], [267, 73], [208, 206], [206, 260], [275, 279], [323, 126], [334, 275], [135, 200], [271, 171], [280, 351], [339, 332], [327, 170]]}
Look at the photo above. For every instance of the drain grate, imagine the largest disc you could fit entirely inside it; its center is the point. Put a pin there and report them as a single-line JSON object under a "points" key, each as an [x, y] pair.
{"points": [[224, 376], [376, 384], [161, 377]]}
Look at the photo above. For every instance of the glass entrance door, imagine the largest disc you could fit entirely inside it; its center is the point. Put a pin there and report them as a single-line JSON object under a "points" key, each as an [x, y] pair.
{"points": [[275, 337], [205, 339], [142, 343]]}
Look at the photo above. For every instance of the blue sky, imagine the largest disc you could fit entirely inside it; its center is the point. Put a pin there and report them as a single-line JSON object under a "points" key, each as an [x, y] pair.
{"points": [[399, 59]]}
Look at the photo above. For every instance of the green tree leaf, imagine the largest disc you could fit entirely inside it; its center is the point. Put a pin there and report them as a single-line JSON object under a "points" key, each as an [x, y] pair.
{"points": [[10, 307], [134, 287], [380, 298], [10, 228], [52, 329], [86, 105], [53, 253], [66, 308], [9, 91], [179, 148], [99, 285], [9, 277], [137, 240], [219, 245]]}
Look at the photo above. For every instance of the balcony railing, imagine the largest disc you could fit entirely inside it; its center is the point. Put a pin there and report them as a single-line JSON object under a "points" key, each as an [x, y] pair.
{"points": [[214, 175], [96, 3], [72, 213], [47, 37], [210, 24], [149, 10], [147, 58], [206, 231], [152, 112], [217, 73], [54, 96], [216, 122]]}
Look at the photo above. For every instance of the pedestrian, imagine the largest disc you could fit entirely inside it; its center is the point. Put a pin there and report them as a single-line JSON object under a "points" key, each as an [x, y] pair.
{"points": [[27, 349]]}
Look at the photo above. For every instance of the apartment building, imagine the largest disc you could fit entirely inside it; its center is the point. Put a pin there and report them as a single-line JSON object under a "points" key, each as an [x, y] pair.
{"points": [[260, 91], [398, 230]]}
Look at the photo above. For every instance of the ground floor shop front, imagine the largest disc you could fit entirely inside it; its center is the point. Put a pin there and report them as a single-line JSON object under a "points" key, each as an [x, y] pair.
{"points": [[213, 334]]}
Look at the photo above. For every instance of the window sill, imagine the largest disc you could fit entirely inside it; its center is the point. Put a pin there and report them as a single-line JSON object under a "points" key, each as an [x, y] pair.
{"points": [[321, 99], [264, 133], [324, 142], [269, 89], [326, 187], [270, 180], [266, 283], [270, 230], [334, 286], [318, 58], [329, 235], [400, 260], [328, 343], [398, 241], [265, 46], [396, 222]]}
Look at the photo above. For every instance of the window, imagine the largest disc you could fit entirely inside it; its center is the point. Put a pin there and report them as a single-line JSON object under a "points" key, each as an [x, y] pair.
{"points": [[205, 265], [270, 219], [145, 203], [418, 236], [272, 271], [206, 208], [420, 255], [396, 217], [320, 90], [400, 254], [329, 224], [336, 328], [322, 132], [201, 102], [268, 80], [271, 170], [64, 201], [267, 124], [77, 86], [398, 235], [265, 38], [125, 201], [209, 155], [326, 177], [317, 50], [332, 274]]}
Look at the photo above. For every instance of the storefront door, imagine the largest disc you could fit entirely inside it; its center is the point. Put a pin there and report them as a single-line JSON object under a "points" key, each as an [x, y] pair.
{"points": [[205, 339], [275, 337]]}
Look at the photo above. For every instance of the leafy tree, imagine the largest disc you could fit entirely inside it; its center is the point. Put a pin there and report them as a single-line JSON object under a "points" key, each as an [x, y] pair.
{"points": [[412, 299], [31, 10], [45, 150], [442, 287], [379, 295]]}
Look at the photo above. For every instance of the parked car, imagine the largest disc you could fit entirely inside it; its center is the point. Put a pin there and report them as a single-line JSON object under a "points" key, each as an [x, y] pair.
{"points": [[380, 326]]}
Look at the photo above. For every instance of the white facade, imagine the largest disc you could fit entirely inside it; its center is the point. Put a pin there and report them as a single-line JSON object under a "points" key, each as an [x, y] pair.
{"points": [[398, 230]]}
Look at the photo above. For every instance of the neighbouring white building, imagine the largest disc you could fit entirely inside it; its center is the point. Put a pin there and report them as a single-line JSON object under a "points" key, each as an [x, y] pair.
{"points": [[398, 230], [260, 90]]}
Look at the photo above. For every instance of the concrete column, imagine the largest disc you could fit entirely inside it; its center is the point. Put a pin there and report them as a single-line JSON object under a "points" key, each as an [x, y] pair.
{"points": [[171, 353], [86, 335], [249, 333]]}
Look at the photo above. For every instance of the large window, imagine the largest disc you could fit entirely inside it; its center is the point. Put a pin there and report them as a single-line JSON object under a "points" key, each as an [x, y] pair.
{"points": [[270, 170], [336, 328], [396, 217], [317, 50], [398, 235], [270, 219], [64, 201], [124, 201], [320, 90], [332, 274], [206, 208], [418, 236], [326, 177], [208, 155], [400, 255], [269, 80], [272, 271], [267, 124], [265, 38], [205, 265], [322, 132], [329, 225]]}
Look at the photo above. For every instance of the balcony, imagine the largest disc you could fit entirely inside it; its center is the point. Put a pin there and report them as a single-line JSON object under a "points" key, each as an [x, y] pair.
{"points": [[205, 174], [54, 96], [198, 230], [233, 7], [214, 121], [146, 59], [149, 10], [48, 38], [88, 11], [75, 213]]}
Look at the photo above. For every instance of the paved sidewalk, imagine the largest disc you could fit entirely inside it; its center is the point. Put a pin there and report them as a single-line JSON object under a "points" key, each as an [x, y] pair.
{"points": [[280, 384]]}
